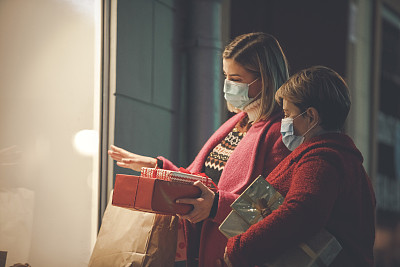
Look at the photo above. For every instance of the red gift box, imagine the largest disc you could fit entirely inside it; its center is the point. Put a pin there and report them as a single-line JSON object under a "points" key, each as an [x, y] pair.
{"points": [[152, 195]]}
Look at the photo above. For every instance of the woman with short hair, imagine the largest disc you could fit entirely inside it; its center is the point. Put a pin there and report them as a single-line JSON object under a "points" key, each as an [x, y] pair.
{"points": [[323, 180]]}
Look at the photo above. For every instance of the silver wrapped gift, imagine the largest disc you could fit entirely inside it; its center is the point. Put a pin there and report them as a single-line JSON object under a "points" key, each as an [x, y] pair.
{"points": [[318, 251], [257, 201], [233, 225]]}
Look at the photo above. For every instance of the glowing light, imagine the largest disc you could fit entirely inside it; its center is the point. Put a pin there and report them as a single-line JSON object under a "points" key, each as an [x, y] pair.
{"points": [[86, 142]]}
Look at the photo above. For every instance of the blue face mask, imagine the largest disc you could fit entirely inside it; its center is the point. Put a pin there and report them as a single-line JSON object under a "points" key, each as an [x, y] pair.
{"points": [[237, 94], [290, 140]]}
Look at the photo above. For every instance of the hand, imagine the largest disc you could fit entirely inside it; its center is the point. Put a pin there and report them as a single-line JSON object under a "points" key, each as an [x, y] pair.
{"points": [[202, 205], [226, 259], [225, 262], [126, 159]]}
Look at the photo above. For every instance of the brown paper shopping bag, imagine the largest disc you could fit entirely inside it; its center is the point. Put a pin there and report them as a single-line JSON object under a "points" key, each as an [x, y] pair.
{"points": [[134, 238]]}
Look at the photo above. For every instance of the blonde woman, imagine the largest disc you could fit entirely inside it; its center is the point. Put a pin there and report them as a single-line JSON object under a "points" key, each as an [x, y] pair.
{"points": [[245, 146]]}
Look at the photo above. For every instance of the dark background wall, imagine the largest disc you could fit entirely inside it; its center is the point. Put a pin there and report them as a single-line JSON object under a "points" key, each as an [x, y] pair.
{"points": [[168, 77], [310, 32]]}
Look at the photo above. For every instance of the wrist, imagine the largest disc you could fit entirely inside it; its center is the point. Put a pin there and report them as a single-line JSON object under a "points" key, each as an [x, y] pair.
{"points": [[153, 163], [214, 206]]}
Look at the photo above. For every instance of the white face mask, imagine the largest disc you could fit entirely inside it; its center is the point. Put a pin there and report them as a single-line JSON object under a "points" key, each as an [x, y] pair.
{"points": [[237, 93], [290, 140]]}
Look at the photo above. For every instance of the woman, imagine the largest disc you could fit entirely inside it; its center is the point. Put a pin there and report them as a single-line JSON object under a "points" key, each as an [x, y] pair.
{"points": [[247, 145], [323, 179]]}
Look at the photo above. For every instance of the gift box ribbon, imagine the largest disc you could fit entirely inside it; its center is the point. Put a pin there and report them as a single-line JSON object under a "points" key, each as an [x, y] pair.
{"points": [[263, 205], [207, 179], [312, 255]]}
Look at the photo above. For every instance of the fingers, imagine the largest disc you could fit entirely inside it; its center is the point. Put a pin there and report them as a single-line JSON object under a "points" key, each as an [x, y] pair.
{"points": [[202, 205], [119, 150], [114, 155], [115, 148], [200, 185], [198, 214], [206, 192], [123, 165], [119, 154], [129, 161], [226, 260], [191, 201], [193, 217]]}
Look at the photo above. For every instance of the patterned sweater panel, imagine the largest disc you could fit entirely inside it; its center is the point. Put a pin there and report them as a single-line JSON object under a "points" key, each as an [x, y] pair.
{"points": [[218, 157]]}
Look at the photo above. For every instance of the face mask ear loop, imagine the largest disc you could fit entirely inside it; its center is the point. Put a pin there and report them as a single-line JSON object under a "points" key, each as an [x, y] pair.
{"points": [[299, 114], [259, 93], [255, 98], [253, 81], [310, 128]]}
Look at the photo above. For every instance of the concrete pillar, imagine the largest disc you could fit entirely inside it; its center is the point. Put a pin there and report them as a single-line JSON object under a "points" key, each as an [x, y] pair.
{"points": [[203, 85]]}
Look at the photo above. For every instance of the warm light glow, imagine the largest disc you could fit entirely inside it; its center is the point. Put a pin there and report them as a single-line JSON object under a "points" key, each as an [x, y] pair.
{"points": [[86, 142]]}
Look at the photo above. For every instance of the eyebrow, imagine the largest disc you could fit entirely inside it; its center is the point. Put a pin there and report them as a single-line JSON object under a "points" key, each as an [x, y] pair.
{"points": [[236, 75]]}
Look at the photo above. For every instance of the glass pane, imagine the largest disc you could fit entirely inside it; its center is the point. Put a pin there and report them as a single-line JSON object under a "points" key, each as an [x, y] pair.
{"points": [[49, 110]]}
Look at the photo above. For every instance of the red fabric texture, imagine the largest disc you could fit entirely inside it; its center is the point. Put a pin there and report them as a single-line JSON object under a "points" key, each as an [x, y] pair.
{"points": [[181, 243], [325, 186], [259, 152]]}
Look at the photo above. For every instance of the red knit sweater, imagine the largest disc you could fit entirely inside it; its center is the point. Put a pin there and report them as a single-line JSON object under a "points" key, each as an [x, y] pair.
{"points": [[259, 152], [325, 186]]}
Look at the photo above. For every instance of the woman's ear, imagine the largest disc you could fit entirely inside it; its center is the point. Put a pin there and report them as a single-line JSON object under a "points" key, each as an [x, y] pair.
{"points": [[313, 115]]}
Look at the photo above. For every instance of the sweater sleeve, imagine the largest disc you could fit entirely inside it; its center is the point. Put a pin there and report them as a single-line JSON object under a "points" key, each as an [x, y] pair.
{"points": [[307, 206]]}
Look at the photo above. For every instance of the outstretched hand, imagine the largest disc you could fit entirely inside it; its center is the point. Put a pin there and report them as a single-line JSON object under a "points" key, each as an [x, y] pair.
{"points": [[126, 159], [202, 205]]}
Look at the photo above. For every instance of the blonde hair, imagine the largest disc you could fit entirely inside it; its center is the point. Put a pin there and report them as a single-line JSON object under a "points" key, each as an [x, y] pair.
{"points": [[260, 54], [322, 88]]}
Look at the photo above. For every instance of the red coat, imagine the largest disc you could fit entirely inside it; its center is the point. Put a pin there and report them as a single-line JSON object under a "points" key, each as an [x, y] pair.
{"points": [[260, 150], [325, 186]]}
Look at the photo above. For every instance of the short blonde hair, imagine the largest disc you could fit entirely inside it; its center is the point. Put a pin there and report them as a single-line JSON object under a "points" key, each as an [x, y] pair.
{"points": [[261, 54], [322, 88]]}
